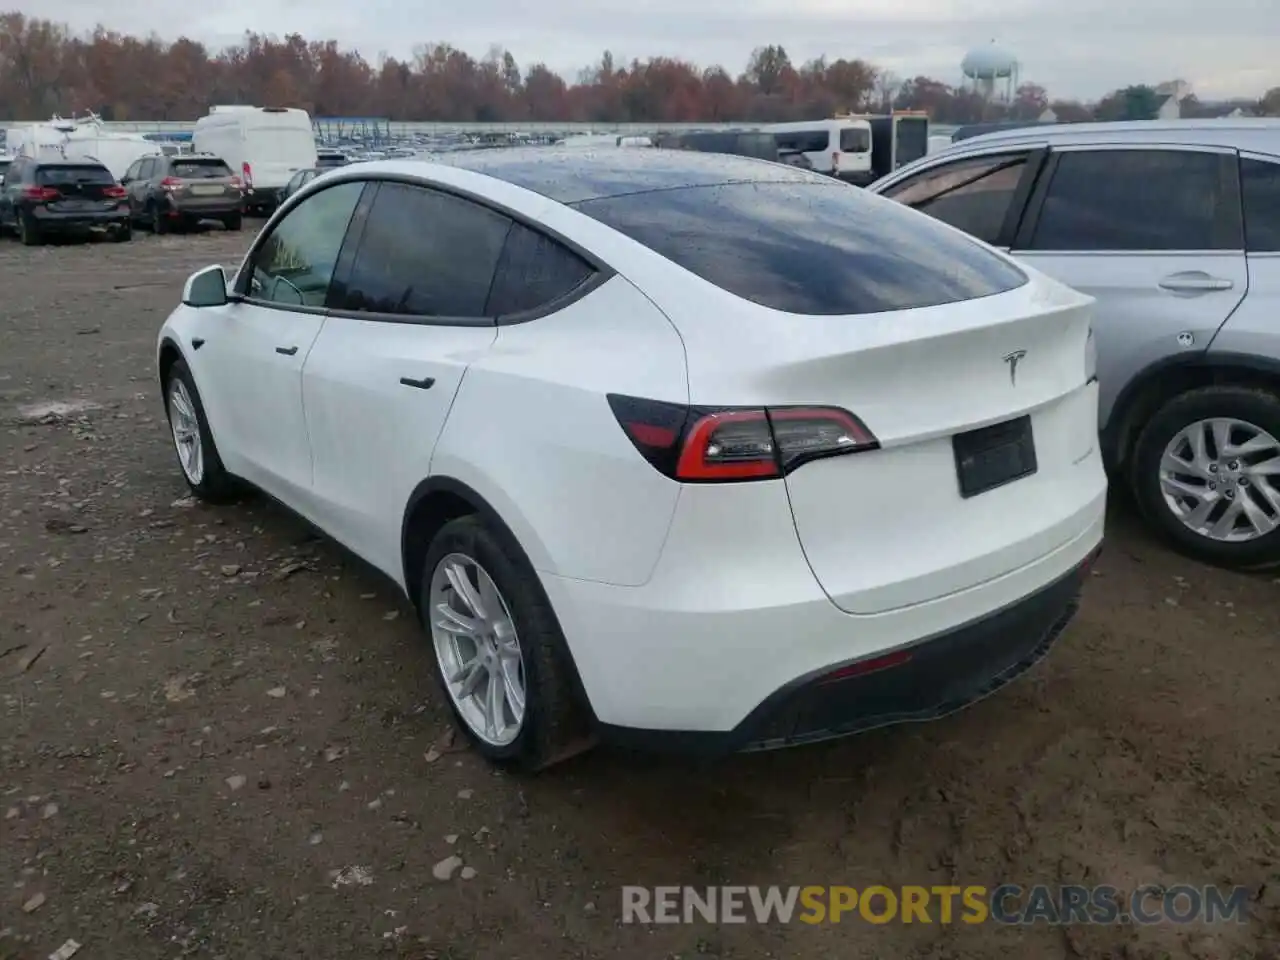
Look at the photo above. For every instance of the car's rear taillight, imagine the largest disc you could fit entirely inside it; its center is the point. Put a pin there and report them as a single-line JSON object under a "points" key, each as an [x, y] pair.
{"points": [[709, 445], [115, 192], [171, 183], [246, 174], [40, 194]]}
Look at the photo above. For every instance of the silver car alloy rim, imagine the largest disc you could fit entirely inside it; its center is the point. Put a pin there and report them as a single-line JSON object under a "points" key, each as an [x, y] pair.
{"points": [[479, 652], [1219, 478], [186, 431]]}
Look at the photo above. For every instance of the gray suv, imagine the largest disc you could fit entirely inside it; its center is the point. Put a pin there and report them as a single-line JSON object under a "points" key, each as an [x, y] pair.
{"points": [[181, 190], [1174, 226]]}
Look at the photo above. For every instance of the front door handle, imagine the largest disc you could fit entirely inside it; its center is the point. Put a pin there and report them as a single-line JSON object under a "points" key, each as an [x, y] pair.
{"points": [[426, 383], [287, 351], [1194, 281]]}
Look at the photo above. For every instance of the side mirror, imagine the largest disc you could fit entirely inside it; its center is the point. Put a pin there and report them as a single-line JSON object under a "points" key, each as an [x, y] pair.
{"points": [[206, 288]]}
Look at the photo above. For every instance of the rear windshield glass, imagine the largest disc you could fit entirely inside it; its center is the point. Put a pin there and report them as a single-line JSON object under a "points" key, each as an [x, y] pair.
{"points": [[811, 248], [855, 139], [56, 176], [200, 169]]}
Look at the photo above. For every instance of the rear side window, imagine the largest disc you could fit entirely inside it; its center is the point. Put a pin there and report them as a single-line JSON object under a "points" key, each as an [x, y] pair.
{"points": [[972, 195], [855, 140], [1141, 200], [58, 176], [1261, 184], [809, 248], [533, 271], [200, 169], [805, 141], [425, 253]]}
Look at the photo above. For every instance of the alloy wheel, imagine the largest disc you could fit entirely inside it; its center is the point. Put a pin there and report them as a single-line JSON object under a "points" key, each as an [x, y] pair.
{"points": [[479, 652], [1221, 479], [185, 423]]}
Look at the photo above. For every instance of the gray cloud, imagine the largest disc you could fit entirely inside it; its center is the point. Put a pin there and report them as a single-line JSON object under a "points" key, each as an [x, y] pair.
{"points": [[1079, 49]]}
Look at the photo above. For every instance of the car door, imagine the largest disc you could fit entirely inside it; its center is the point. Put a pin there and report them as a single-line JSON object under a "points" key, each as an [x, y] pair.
{"points": [[130, 183], [1153, 232], [249, 364], [983, 195], [408, 314], [1252, 332], [12, 175]]}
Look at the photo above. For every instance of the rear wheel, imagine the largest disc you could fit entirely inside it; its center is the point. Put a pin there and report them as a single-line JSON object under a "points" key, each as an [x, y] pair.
{"points": [[1206, 473], [28, 232], [123, 233], [232, 221], [158, 223], [197, 454], [500, 656]]}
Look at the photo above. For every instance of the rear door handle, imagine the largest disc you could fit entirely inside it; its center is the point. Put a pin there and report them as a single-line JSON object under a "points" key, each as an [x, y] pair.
{"points": [[1194, 282], [426, 383], [287, 351]]}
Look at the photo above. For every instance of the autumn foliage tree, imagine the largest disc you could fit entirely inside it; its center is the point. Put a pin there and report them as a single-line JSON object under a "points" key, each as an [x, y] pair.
{"points": [[47, 69]]}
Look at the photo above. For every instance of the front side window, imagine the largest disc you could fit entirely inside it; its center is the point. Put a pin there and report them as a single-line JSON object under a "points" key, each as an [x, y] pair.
{"points": [[1260, 182], [972, 195], [1141, 200], [816, 247], [425, 253], [294, 265]]}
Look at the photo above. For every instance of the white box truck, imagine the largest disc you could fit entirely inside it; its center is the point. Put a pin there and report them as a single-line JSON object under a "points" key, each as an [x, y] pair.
{"points": [[264, 146]]}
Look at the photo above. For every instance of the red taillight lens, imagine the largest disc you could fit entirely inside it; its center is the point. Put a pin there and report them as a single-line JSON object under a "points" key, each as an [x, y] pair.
{"points": [[40, 194], [171, 183], [701, 445], [115, 193], [246, 173]]}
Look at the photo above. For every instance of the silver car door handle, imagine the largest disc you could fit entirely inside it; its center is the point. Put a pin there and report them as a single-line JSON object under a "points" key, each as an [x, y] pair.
{"points": [[1195, 283]]}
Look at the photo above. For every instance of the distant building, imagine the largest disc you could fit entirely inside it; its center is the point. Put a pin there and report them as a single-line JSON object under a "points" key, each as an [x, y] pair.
{"points": [[1173, 93]]}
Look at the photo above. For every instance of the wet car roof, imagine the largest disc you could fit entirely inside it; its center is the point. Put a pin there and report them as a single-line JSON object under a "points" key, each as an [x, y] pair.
{"points": [[574, 174]]}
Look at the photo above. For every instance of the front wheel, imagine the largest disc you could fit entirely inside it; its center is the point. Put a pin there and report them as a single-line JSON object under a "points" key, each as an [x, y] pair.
{"points": [[197, 454], [1206, 473], [501, 658]]}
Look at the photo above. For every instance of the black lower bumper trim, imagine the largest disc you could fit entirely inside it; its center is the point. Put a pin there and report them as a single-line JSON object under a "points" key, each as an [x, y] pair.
{"points": [[932, 678]]}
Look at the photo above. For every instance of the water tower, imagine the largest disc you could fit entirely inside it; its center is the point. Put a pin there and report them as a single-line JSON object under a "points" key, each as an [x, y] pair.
{"points": [[991, 72]]}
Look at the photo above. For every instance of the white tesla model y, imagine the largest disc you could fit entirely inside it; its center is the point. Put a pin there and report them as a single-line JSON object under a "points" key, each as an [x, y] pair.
{"points": [[666, 448]]}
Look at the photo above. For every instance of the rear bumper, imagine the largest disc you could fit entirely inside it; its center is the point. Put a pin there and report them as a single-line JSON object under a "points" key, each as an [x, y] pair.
{"points": [[921, 681], [216, 207], [80, 222]]}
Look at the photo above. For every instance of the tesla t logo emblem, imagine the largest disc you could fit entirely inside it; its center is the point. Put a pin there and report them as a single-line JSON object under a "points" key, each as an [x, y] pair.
{"points": [[1012, 360]]}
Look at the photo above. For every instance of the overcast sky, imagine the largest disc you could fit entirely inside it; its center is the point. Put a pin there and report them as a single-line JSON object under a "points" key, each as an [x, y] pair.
{"points": [[1080, 48]]}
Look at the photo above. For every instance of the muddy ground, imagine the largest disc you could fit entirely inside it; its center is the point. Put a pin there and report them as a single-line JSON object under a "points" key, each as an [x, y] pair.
{"points": [[219, 735]]}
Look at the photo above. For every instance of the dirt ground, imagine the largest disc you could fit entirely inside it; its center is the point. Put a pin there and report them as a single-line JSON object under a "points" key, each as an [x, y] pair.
{"points": [[219, 735]]}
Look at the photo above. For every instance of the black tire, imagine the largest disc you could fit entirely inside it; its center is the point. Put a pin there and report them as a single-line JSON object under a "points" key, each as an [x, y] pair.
{"points": [[555, 725], [1255, 406], [233, 221], [216, 485], [158, 224], [28, 232], [122, 234]]}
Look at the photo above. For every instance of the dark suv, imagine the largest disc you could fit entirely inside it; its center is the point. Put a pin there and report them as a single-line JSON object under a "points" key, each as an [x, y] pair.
{"points": [[44, 198], [182, 190]]}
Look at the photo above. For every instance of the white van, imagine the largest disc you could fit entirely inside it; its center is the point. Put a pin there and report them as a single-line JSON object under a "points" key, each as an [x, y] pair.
{"points": [[839, 148], [264, 146]]}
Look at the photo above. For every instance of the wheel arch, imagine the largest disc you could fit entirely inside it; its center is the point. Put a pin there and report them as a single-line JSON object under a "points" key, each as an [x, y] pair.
{"points": [[439, 499], [168, 354], [1161, 381]]}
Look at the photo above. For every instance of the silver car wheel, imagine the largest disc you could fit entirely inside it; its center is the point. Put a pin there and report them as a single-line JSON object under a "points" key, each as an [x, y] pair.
{"points": [[1219, 477], [185, 423], [477, 648]]}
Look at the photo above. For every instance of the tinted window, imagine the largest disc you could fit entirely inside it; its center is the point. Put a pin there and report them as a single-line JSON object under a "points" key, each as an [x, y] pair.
{"points": [[58, 176], [814, 248], [1140, 200], [855, 140], [294, 265], [1261, 183], [132, 172], [200, 169], [533, 271], [805, 141], [973, 195], [425, 253]]}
